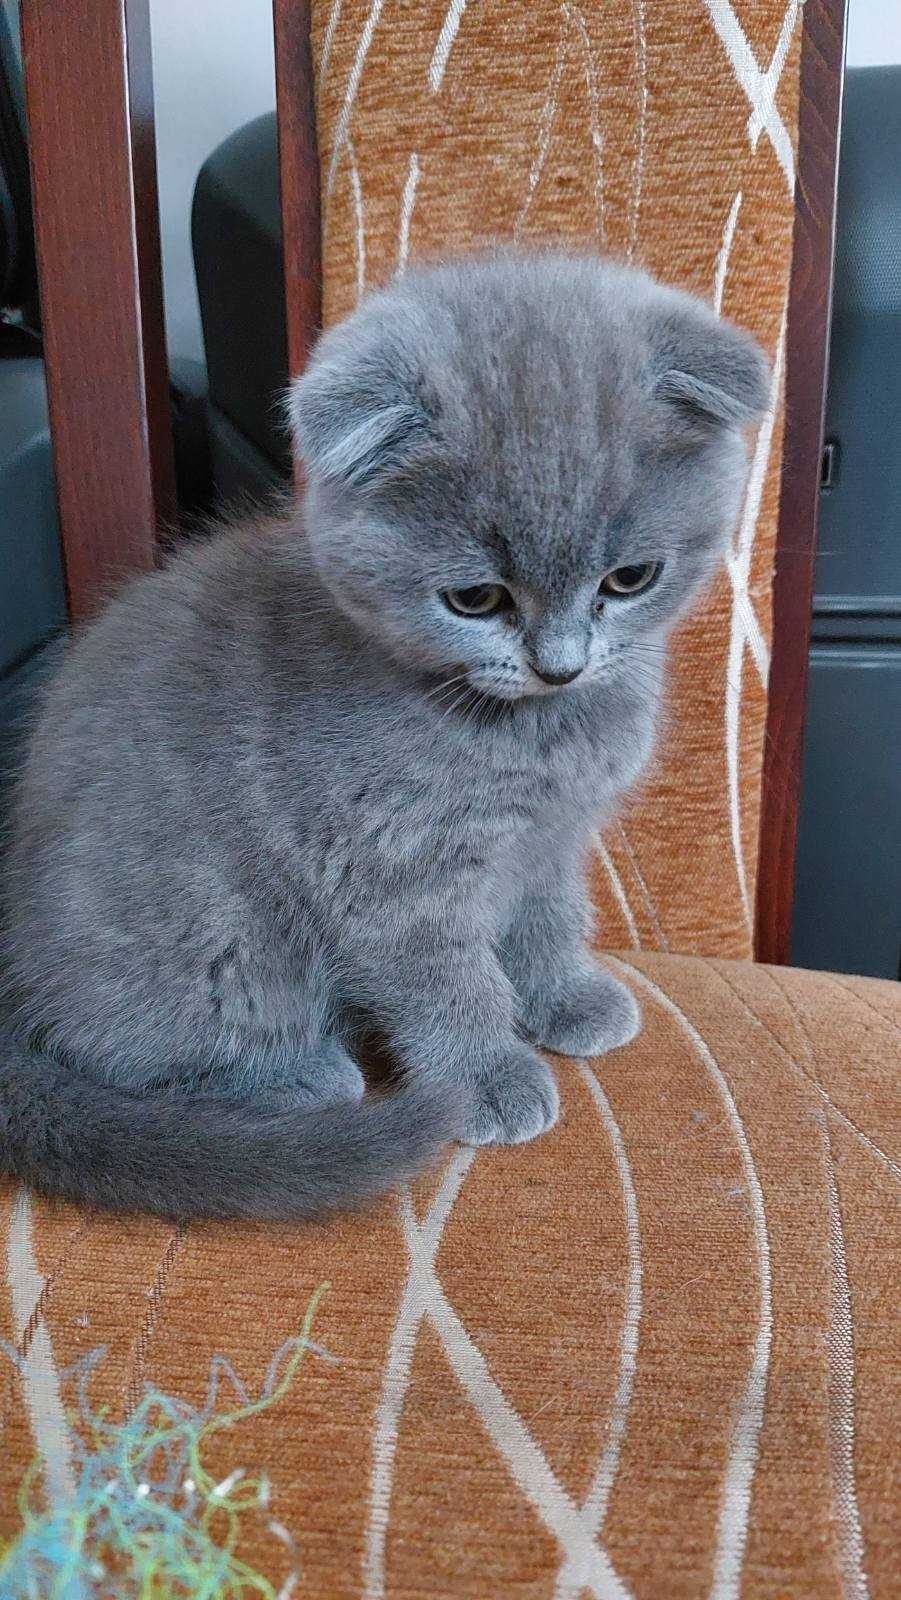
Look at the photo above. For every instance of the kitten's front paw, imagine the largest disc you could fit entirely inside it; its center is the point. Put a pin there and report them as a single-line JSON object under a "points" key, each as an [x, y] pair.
{"points": [[327, 1078], [596, 1015], [514, 1102]]}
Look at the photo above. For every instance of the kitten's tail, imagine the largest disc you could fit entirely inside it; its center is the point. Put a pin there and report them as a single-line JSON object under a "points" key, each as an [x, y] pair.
{"points": [[99, 1146]]}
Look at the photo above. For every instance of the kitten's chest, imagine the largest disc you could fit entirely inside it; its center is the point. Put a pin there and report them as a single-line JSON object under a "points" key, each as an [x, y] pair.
{"points": [[535, 782], [566, 788], [481, 804]]}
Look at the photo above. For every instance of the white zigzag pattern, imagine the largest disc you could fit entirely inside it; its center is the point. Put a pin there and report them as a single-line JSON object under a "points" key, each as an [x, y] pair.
{"points": [[741, 1465], [594, 1506], [350, 94], [744, 627], [328, 40], [619, 891], [760, 86], [408, 200], [397, 1377], [840, 1344], [445, 44], [40, 1379], [359, 217], [744, 630], [584, 1562]]}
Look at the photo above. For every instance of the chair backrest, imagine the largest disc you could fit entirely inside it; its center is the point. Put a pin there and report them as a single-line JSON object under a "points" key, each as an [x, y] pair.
{"points": [[702, 145]]}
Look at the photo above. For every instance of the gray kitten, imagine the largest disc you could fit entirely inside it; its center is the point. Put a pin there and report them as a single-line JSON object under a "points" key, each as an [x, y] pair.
{"points": [[345, 769]]}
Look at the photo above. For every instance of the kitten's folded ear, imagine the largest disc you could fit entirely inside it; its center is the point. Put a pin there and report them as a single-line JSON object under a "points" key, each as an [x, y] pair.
{"points": [[710, 370], [354, 415]]}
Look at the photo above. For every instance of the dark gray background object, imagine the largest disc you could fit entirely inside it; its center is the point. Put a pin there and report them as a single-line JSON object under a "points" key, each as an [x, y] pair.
{"points": [[848, 894], [32, 599], [847, 912], [236, 231]]}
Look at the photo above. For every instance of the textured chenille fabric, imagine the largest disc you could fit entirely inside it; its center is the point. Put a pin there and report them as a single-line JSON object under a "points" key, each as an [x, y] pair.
{"points": [[654, 1354], [665, 134]]}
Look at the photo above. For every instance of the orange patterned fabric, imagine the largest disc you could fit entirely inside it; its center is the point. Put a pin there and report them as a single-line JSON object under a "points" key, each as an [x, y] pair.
{"points": [[652, 1355], [663, 133]]}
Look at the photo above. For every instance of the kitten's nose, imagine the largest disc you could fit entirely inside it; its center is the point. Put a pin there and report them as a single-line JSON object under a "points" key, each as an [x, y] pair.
{"points": [[556, 678]]}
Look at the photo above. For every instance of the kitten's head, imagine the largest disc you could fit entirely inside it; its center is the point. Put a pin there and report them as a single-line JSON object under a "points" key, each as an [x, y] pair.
{"points": [[522, 468]]}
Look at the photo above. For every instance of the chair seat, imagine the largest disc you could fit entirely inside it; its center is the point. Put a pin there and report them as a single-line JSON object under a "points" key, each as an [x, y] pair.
{"points": [[649, 1355]]}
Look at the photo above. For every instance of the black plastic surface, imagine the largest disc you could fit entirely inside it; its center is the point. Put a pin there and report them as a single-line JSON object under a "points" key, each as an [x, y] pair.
{"points": [[848, 889], [859, 551], [848, 886], [237, 241], [32, 597], [18, 269]]}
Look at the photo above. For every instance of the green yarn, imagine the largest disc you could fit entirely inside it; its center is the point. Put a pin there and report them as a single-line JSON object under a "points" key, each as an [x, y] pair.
{"points": [[147, 1521]]}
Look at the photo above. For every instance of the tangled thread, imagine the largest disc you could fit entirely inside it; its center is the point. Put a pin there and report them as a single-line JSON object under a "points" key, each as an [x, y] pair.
{"points": [[147, 1521]]}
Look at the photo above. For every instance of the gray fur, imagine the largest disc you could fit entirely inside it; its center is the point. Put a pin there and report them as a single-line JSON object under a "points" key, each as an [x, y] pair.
{"points": [[280, 791]]}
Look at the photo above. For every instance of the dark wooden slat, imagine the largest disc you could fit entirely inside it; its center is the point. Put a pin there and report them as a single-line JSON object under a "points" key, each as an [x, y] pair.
{"points": [[299, 164], [809, 307], [89, 88]]}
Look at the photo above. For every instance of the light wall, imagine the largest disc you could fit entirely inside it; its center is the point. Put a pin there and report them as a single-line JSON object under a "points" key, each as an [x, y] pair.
{"points": [[874, 33], [213, 70]]}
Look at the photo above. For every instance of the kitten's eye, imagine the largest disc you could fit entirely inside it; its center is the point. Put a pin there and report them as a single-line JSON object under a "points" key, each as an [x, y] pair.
{"points": [[624, 581], [479, 600]]}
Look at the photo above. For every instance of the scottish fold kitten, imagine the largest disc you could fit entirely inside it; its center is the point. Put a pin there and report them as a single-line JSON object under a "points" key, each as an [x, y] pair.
{"points": [[345, 768]]}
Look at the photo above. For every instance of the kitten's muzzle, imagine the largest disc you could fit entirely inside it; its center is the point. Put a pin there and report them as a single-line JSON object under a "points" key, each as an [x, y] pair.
{"points": [[557, 679]]}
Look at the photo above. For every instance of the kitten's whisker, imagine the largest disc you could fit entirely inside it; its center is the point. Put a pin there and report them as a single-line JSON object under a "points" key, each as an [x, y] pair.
{"points": [[471, 706], [456, 704], [448, 683], [447, 706], [460, 695], [493, 708]]}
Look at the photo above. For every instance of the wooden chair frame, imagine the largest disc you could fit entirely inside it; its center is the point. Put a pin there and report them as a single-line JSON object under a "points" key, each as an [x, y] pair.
{"points": [[90, 103]]}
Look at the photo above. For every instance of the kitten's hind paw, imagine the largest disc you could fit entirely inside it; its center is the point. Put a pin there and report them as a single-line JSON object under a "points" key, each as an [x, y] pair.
{"points": [[597, 1014], [516, 1101]]}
